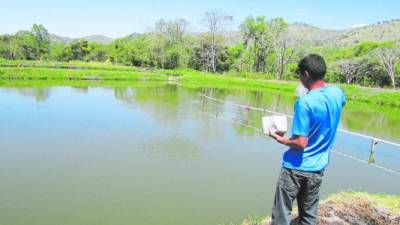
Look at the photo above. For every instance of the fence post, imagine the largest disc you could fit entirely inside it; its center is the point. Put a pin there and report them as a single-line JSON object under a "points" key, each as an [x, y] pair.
{"points": [[371, 159]]}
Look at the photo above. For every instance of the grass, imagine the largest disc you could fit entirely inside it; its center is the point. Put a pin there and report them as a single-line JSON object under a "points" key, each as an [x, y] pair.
{"points": [[40, 73], [39, 70], [390, 202], [66, 65]]}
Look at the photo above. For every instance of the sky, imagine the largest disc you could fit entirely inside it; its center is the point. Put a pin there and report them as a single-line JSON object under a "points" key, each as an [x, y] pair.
{"points": [[116, 18]]}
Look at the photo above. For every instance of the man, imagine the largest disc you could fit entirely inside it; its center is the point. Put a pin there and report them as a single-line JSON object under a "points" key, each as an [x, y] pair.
{"points": [[316, 119]]}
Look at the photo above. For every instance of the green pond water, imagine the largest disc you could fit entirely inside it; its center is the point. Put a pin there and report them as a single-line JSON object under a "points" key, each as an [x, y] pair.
{"points": [[157, 153]]}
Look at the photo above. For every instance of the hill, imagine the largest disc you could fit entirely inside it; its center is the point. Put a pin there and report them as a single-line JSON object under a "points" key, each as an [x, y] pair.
{"points": [[302, 33], [382, 31], [92, 38]]}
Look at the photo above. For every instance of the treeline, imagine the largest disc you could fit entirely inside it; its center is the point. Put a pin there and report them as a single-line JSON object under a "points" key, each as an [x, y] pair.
{"points": [[264, 49]]}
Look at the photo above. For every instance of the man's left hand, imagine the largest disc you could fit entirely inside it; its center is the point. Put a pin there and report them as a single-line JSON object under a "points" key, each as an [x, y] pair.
{"points": [[277, 136]]}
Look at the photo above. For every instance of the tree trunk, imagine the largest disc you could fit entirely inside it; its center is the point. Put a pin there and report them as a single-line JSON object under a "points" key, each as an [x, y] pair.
{"points": [[393, 81]]}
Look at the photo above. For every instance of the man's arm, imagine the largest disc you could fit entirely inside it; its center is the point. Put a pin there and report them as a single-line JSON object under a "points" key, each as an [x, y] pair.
{"points": [[298, 142], [300, 127]]}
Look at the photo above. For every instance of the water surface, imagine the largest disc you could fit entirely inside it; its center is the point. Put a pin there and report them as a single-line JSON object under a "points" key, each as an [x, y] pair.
{"points": [[160, 154]]}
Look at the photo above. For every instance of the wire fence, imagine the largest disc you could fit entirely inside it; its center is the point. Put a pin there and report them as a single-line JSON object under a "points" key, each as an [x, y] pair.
{"points": [[376, 139], [370, 161]]}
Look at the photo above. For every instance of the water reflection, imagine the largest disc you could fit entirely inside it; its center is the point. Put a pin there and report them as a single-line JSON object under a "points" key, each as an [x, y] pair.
{"points": [[83, 90], [165, 102], [40, 94]]}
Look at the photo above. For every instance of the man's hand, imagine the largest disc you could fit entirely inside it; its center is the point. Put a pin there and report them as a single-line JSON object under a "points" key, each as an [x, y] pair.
{"points": [[298, 142], [279, 137]]}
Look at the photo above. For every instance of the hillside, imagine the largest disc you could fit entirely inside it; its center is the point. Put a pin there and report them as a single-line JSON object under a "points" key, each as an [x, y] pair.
{"points": [[306, 34], [382, 31], [302, 33], [93, 38]]}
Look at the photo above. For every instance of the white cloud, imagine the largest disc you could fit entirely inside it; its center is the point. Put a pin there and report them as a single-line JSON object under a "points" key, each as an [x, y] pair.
{"points": [[357, 25]]}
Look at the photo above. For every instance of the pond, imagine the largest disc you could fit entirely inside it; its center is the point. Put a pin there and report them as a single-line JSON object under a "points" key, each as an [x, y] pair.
{"points": [[157, 153]]}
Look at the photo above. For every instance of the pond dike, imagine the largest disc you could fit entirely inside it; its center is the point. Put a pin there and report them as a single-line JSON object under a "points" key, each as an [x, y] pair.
{"points": [[360, 208]]}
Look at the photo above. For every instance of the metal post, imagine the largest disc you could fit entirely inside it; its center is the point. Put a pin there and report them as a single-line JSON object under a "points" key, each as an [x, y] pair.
{"points": [[371, 159]]}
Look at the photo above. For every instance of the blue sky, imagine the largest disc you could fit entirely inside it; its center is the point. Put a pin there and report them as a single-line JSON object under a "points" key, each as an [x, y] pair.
{"points": [[114, 18]]}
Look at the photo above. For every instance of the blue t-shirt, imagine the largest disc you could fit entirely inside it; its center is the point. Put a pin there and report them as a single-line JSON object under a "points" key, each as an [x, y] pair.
{"points": [[316, 116]]}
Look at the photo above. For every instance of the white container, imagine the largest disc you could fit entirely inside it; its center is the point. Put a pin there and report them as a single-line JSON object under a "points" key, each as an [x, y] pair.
{"points": [[277, 124]]}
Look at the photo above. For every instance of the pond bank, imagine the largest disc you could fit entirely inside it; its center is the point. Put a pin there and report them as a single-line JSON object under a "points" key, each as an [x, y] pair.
{"points": [[37, 70], [351, 208]]}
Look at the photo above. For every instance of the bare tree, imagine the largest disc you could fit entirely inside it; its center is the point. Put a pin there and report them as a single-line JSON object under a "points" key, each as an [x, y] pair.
{"points": [[279, 38], [349, 70], [175, 31], [388, 58], [166, 35], [215, 21]]}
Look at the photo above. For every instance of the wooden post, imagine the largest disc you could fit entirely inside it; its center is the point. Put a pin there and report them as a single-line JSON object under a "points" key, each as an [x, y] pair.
{"points": [[371, 159]]}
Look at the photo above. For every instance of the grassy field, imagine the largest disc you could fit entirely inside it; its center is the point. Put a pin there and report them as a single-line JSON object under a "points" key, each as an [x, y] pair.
{"points": [[11, 70]]}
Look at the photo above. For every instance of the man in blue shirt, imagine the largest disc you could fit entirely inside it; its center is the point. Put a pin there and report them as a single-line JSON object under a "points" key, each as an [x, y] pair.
{"points": [[316, 119]]}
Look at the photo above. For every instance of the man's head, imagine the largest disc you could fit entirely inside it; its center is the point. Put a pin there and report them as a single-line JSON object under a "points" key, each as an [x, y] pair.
{"points": [[311, 68]]}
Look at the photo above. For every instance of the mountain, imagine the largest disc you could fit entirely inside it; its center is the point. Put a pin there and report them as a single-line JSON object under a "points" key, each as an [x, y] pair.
{"points": [[98, 38], [92, 38], [301, 33], [382, 31]]}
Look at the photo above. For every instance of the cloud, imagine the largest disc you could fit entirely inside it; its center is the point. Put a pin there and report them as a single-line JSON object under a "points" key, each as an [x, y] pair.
{"points": [[357, 25]]}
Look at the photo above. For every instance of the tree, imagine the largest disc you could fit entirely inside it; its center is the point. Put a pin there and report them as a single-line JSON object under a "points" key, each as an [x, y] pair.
{"points": [[23, 45], [57, 52], [348, 68], [96, 52], [42, 40], [371, 73], [215, 22], [256, 40], [388, 59], [77, 50], [5, 43], [168, 43], [279, 39]]}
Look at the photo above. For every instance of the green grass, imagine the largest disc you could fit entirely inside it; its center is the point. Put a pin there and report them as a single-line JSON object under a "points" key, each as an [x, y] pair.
{"points": [[67, 65], [39, 70], [40, 73]]}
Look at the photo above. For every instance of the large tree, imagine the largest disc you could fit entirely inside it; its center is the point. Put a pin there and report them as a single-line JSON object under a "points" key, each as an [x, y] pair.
{"points": [[279, 39], [388, 58], [23, 46], [42, 40], [215, 21], [77, 50], [349, 69], [168, 43], [256, 40]]}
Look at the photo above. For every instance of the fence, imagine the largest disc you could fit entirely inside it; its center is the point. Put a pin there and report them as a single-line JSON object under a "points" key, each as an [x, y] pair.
{"points": [[374, 140]]}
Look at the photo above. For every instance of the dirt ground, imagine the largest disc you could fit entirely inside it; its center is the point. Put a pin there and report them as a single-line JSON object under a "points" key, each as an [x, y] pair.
{"points": [[351, 211]]}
